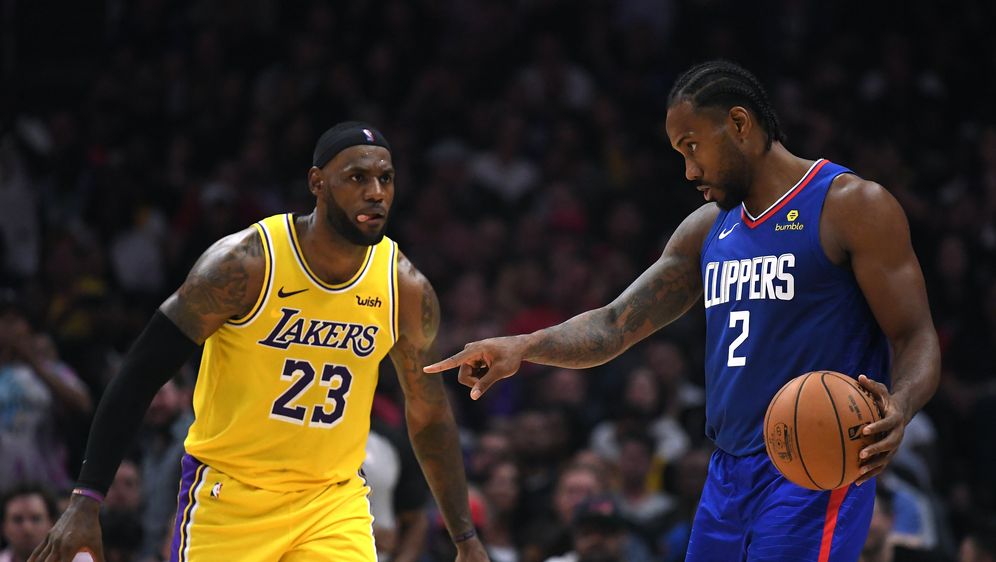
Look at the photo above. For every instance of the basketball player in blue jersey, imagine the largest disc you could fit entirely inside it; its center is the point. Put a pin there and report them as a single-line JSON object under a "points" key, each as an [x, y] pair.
{"points": [[295, 314], [803, 266]]}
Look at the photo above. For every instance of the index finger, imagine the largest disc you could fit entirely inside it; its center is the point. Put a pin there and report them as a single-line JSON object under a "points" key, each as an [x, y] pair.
{"points": [[465, 356]]}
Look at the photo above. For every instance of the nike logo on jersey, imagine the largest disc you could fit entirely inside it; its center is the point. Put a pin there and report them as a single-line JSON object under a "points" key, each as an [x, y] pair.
{"points": [[725, 233], [283, 295]]}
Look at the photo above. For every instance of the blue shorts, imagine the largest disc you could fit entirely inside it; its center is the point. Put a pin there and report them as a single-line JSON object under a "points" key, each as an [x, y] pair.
{"points": [[749, 511]]}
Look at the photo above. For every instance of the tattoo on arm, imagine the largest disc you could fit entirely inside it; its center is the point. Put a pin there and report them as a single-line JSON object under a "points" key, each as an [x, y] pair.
{"points": [[431, 427], [437, 448], [660, 296], [662, 300], [586, 340], [217, 287], [418, 386], [430, 312]]}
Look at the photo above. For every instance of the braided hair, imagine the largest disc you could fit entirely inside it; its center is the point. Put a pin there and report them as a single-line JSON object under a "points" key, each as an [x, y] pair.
{"points": [[724, 84]]}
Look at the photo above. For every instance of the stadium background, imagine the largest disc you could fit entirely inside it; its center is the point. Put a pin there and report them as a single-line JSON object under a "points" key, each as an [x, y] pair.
{"points": [[535, 182]]}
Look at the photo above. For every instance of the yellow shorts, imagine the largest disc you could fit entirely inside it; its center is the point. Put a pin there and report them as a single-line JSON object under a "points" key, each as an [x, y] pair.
{"points": [[220, 518]]}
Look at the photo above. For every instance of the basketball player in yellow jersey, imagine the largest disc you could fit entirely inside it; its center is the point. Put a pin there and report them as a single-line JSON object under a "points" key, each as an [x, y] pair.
{"points": [[295, 313]]}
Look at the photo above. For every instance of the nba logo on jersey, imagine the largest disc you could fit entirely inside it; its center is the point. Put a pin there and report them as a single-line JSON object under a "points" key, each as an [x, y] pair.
{"points": [[216, 490], [369, 134]]}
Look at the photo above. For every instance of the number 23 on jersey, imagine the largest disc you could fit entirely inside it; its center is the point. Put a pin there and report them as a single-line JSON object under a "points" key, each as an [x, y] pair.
{"points": [[336, 378]]}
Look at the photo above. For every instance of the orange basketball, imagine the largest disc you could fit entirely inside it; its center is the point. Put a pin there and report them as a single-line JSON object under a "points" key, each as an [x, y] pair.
{"points": [[812, 429]]}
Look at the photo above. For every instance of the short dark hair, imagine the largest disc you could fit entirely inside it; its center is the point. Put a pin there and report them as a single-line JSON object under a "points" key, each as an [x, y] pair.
{"points": [[724, 84], [30, 489]]}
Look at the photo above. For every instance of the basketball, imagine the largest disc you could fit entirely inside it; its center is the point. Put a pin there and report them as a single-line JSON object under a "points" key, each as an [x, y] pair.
{"points": [[812, 429]]}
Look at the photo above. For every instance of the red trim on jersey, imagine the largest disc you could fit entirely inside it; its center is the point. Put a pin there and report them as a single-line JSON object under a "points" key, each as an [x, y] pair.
{"points": [[830, 522], [752, 223]]}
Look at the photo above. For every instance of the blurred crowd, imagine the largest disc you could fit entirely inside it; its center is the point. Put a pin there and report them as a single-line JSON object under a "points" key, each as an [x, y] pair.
{"points": [[534, 182]]}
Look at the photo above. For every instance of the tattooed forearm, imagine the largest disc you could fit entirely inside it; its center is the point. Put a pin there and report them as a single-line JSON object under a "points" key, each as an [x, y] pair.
{"points": [[588, 339], [437, 448], [658, 297], [664, 299]]}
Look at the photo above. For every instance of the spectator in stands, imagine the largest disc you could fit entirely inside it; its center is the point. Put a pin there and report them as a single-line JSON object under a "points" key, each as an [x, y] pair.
{"points": [[27, 512], [35, 389]]}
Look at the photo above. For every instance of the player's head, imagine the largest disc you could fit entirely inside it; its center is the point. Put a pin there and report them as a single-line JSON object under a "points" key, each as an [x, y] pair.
{"points": [[720, 119], [352, 177]]}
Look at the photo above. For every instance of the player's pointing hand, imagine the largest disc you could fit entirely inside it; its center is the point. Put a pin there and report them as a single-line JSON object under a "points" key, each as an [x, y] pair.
{"points": [[483, 363]]}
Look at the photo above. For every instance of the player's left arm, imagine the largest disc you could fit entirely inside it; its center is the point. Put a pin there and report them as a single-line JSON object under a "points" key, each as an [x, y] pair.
{"points": [[431, 427], [869, 227]]}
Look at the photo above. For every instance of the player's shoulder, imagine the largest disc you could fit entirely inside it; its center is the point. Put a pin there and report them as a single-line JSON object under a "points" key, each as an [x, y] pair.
{"points": [[243, 248], [409, 276], [691, 234], [856, 210], [850, 192], [704, 215]]}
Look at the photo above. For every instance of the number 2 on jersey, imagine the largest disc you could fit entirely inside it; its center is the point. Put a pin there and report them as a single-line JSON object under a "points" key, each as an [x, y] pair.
{"points": [[737, 317], [284, 409]]}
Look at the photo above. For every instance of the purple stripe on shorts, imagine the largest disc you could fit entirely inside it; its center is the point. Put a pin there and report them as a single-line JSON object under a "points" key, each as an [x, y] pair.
{"points": [[190, 472]]}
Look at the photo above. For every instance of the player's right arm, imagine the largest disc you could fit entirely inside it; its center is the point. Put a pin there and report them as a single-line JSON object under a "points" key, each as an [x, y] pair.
{"points": [[224, 283], [663, 293]]}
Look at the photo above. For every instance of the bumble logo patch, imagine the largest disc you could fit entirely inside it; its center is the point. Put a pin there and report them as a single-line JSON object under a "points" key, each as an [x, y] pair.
{"points": [[791, 224]]}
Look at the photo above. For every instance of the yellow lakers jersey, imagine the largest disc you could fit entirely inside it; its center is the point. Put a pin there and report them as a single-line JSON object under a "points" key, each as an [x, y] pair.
{"points": [[283, 396]]}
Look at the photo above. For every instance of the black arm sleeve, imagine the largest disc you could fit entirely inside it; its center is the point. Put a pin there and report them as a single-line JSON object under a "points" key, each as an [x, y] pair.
{"points": [[159, 352]]}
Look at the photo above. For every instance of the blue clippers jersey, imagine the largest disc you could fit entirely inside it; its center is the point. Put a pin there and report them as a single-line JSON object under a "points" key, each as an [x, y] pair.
{"points": [[776, 307]]}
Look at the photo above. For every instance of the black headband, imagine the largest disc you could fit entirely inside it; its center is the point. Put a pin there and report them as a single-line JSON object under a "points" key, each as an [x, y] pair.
{"points": [[343, 136]]}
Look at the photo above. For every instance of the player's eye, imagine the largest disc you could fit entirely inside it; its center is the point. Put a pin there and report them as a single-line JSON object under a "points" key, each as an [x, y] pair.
{"points": [[691, 146], [358, 178], [386, 178]]}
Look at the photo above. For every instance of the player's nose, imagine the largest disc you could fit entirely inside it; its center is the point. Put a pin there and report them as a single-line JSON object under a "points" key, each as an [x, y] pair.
{"points": [[376, 190], [692, 171]]}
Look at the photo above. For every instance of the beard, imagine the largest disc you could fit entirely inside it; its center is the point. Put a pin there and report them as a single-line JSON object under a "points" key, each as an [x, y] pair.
{"points": [[337, 218], [733, 179]]}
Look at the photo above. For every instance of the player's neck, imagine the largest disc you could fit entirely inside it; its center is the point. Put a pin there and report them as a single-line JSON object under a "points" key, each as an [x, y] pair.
{"points": [[333, 258], [775, 173]]}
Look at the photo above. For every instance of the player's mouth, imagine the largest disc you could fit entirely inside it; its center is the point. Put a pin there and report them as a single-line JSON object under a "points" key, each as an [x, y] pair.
{"points": [[705, 191], [373, 216]]}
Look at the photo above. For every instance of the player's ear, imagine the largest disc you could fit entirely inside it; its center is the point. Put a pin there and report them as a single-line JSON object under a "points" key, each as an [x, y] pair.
{"points": [[742, 124], [315, 180]]}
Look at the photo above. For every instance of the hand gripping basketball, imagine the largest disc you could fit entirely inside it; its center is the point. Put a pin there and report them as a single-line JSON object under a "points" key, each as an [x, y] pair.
{"points": [[889, 430], [816, 427]]}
